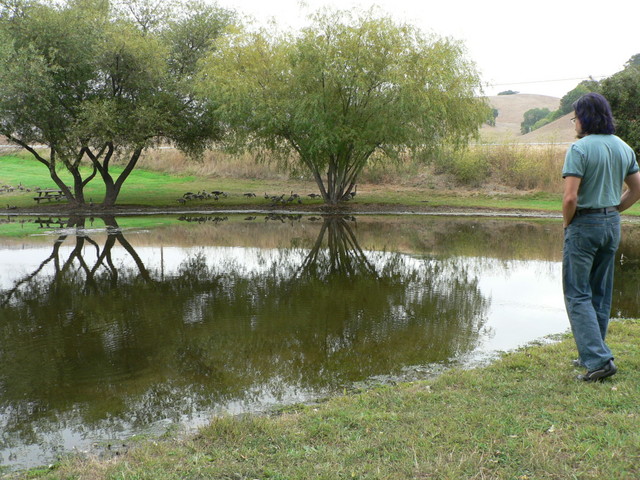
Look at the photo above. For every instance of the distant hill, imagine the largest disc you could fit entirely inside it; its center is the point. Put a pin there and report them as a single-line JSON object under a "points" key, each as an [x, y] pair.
{"points": [[558, 131], [511, 109]]}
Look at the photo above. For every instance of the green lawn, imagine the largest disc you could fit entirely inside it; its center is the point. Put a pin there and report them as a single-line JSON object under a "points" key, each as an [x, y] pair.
{"points": [[157, 190], [142, 187]]}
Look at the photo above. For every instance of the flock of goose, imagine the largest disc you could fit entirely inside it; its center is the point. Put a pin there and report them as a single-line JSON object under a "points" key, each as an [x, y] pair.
{"points": [[217, 194], [11, 188], [275, 200]]}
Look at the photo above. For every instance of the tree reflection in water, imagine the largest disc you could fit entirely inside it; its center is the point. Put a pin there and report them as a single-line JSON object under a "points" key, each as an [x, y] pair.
{"points": [[108, 349], [67, 270], [343, 255]]}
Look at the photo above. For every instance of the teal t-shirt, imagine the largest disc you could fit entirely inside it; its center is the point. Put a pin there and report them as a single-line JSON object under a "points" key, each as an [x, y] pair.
{"points": [[602, 162]]}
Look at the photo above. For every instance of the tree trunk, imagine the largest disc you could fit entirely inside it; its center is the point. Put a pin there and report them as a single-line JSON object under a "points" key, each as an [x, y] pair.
{"points": [[112, 188], [110, 194], [74, 200], [78, 186]]}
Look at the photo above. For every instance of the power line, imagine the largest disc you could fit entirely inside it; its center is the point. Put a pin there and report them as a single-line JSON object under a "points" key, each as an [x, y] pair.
{"points": [[548, 81]]}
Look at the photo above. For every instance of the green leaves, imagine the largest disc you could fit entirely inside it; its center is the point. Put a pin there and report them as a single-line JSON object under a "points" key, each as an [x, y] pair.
{"points": [[623, 92], [349, 85], [86, 74]]}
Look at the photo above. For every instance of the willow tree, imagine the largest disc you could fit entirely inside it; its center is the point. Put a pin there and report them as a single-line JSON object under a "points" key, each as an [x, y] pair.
{"points": [[351, 85], [97, 82]]}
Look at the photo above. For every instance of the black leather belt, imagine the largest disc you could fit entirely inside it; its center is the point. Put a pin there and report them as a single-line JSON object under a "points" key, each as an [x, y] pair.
{"points": [[584, 211]]}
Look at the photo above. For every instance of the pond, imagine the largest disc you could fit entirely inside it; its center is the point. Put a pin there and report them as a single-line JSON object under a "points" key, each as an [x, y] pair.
{"points": [[138, 325]]}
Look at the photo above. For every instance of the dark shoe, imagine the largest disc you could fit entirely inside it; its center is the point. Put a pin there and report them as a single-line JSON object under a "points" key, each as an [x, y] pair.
{"points": [[607, 370], [578, 363]]}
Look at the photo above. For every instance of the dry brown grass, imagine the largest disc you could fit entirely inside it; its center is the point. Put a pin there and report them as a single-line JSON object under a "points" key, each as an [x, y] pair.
{"points": [[526, 167], [214, 163], [509, 167]]}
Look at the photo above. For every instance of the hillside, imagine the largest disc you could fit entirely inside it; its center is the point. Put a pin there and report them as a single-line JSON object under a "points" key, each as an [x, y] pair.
{"points": [[511, 109], [559, 131]]}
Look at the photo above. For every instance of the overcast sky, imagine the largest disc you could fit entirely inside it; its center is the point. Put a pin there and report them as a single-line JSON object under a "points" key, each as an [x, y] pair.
{"points": [[541, 46]]}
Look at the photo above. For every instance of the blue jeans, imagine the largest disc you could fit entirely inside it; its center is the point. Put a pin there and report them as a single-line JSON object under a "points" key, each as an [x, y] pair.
{"points": [[590, 245]]}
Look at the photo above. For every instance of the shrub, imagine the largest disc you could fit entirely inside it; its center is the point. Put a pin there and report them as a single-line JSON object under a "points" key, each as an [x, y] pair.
{"points": [[470, 168]]}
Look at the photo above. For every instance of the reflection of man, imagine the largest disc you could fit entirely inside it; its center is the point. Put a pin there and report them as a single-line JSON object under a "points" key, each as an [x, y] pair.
{"points": [[595, 168]]}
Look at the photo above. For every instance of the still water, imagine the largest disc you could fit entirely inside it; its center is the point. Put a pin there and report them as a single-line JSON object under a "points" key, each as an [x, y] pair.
{"points": [[115, 327]]}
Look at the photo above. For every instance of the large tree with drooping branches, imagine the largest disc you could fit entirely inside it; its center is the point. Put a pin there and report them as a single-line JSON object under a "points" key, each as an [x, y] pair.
{"points": [[351, 86]]}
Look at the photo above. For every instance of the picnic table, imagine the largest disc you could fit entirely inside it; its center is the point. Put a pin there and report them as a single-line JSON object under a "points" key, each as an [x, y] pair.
{"points": [[49, 194]]}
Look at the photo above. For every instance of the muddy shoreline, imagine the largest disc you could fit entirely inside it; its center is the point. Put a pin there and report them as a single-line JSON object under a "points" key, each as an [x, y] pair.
{"points": [[351, 209]]}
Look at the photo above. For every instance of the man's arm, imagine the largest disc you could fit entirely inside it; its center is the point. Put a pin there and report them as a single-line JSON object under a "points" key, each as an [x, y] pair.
{"points": [[570, 199], [632, 194]]}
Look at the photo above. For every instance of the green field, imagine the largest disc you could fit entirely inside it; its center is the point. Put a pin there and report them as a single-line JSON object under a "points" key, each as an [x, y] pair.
{"points": [[153, 189]]}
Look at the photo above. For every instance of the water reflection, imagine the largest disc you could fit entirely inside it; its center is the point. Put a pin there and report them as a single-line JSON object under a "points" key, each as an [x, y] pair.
{"points": [[76, 267], [116, 330], [343, 255]]}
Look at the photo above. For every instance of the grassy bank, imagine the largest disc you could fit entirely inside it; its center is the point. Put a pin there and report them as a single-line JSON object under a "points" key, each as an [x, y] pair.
{"points": [[160, 182], [523, 417]]}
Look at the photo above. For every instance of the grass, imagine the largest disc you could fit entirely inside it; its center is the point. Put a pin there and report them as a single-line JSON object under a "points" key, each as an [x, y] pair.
{"points": [[151, 187], [508, 177], [522, 417]]}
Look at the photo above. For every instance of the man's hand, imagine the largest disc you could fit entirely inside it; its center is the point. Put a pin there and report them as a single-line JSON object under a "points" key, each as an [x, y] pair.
{"points": [[570, 199], [632, 194]]}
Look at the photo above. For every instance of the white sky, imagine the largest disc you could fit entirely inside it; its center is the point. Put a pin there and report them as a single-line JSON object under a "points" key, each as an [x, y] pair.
{"points": [[541, 46]]}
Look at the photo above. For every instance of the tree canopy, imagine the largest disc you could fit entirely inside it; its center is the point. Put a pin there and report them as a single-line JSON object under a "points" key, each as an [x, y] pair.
{"points": [[98, 82], [531, 117], [347, 87], [634, 61], [567, 101], [623, 92]]}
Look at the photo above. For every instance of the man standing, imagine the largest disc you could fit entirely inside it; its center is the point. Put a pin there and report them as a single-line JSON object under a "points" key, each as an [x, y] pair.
{"points": [[594, 170]]}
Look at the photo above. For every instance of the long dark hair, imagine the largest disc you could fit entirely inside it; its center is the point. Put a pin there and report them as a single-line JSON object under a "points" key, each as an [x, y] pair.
{"points": [[594, 113]]}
